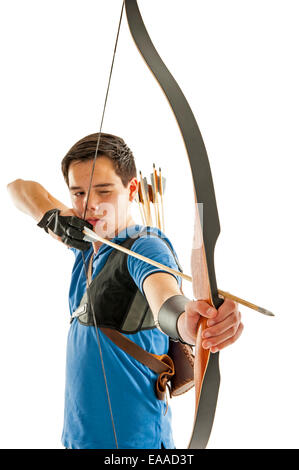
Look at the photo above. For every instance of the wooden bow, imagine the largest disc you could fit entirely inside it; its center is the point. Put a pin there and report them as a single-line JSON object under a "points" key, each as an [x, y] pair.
{"points": [[206, 228]]}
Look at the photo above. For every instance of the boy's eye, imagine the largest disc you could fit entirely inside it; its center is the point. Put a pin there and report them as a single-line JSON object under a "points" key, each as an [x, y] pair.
{"points": [[82, 193]]}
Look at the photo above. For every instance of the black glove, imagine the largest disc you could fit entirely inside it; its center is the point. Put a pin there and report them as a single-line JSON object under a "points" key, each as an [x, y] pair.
{"points": [[69, 228]]}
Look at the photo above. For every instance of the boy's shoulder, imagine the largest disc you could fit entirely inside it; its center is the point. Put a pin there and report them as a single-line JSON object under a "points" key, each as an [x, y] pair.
{"points": [[151, 237]]}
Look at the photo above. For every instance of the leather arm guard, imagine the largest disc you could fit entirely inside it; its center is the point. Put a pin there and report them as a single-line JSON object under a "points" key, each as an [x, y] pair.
{"points": [[169, 314]]}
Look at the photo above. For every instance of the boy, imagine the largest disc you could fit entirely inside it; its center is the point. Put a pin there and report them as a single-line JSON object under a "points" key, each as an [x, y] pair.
{"points": [[137, 419]]}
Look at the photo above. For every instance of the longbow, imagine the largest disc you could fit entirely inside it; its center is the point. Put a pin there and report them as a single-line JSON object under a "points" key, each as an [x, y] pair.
{"points": [[206, 227]]}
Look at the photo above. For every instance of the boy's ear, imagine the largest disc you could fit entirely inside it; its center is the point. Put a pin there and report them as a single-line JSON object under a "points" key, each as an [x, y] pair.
{"points": [[133, 187]]}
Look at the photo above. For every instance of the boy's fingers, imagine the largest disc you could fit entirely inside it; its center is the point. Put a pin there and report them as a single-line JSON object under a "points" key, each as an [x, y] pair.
{"points": [[202, 308]]}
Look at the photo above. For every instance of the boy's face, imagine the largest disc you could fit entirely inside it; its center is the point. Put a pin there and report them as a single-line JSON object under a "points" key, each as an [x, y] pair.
{"points": [[108, 202]]}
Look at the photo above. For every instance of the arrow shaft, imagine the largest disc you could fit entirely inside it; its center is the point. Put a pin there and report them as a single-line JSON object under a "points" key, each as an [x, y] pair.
{"points": [[92, 236]]}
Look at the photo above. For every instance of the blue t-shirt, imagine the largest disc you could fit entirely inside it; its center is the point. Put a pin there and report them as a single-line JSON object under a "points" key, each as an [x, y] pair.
{"points": [[139, 417]]}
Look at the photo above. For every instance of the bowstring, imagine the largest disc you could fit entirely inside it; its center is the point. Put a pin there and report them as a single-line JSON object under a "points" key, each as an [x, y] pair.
{"points": [[84, 216]]}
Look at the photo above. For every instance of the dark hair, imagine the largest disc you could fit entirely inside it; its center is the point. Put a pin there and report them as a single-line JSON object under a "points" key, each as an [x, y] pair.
{"points": [[110, 146]]}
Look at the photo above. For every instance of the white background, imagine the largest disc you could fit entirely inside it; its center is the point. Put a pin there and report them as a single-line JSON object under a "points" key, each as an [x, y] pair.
{"points": [[237, 64]]}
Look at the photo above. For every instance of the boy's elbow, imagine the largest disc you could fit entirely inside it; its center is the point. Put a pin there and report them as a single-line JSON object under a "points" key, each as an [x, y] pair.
{"points": [[14, 183]]}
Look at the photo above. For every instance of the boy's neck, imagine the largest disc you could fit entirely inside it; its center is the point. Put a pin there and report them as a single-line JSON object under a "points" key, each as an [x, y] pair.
{"points": [[120, 228]]}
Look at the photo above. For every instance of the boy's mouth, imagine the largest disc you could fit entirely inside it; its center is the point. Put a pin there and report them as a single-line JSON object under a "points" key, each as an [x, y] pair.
{"points": [[94, 222]]}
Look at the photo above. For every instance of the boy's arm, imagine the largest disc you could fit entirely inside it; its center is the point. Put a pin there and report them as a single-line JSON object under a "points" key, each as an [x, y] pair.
{"points": [[33, 199], [224, 324], [61, 223]]}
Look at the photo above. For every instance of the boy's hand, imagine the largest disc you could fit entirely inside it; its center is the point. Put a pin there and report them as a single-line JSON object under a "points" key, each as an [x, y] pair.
{"points": [[66, 227], [224, 325]]}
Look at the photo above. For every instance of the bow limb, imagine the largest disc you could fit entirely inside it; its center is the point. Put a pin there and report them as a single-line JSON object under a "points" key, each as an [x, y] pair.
{"points": [[208, 373]]}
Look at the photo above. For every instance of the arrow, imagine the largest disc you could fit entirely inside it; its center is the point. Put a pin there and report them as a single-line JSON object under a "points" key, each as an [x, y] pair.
{"points": [[94, 237]]}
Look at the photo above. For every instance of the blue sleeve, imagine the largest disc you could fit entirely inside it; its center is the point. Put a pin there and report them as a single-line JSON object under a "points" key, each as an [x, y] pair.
{"points": [[155, 249]]}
